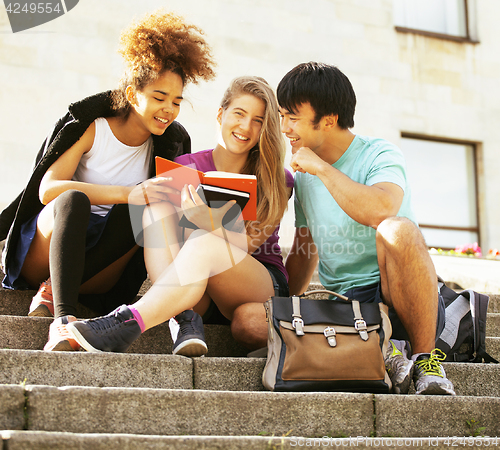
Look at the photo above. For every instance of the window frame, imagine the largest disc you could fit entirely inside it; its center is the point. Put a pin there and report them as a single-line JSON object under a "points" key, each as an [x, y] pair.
{"points": [[475, 150], [469, 38]]}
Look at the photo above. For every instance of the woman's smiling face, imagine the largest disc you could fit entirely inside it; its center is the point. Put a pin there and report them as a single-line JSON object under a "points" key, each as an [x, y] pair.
{"points": [[158, 104], [241, 123]]}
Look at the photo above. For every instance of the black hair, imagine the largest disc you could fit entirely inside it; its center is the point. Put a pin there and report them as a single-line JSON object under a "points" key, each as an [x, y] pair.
{"points": [[324, 87]]}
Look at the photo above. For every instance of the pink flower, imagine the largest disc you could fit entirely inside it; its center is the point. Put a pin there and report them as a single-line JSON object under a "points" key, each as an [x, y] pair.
{"points": [[469, 249]]}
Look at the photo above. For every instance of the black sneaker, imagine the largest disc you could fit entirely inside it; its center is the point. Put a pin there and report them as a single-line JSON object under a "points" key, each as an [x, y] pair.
{"points": [[112, 333], [190, 340]]}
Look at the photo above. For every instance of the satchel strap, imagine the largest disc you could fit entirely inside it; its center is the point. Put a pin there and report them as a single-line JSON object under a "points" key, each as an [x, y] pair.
{"points": [[320, 328], [359, 322], [324, 291], [297, 321]]}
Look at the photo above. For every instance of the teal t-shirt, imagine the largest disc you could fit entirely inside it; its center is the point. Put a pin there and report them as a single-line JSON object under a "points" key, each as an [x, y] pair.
{"points": [[347, 252]]}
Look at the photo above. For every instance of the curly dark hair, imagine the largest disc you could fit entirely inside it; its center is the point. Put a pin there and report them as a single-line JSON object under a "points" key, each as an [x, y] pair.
{"points": [[158, 43]]}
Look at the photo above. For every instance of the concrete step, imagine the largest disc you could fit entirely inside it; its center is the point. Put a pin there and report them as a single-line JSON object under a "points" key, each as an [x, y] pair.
{"points": [[16, 303], [494, 305], [176, 372], [31, 333], [202, 412], [46, 440], [493, 324]]}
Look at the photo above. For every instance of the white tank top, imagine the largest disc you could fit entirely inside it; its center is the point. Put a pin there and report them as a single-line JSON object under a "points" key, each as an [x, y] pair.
{"points": [[110, 162]]}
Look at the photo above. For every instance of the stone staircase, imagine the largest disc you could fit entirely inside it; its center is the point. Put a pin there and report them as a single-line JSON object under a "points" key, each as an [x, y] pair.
{"points": [[150, 399]]}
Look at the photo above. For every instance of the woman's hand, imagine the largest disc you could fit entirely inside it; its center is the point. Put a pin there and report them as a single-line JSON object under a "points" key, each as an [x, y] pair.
{"points": [[197, 212], [151, 191]]}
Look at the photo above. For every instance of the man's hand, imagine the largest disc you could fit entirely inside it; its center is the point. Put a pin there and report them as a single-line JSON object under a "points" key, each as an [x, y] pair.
{"points": [[306, 161], [367, 205]]}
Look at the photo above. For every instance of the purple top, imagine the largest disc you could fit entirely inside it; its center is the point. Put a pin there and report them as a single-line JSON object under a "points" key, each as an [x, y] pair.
{"points": [[269, 252]]}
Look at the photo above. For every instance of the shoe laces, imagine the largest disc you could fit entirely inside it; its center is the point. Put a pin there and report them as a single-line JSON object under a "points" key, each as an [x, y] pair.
{"points": [[186, 327], [393, 350], [104, 323], [432, 365]]}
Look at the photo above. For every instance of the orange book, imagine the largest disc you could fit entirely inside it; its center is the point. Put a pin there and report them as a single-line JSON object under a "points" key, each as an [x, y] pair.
{"points": [[182, 175]]}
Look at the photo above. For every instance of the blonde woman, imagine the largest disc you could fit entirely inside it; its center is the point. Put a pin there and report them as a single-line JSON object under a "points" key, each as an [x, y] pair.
{"points": [[216, 272]]}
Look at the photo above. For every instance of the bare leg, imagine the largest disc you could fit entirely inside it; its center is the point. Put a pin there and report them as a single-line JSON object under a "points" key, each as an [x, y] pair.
{"points": [[249, 326], [198, 268], [107, 278], [59, 242], [161, 238], [162, 247], [408, 280], [36, 265]]}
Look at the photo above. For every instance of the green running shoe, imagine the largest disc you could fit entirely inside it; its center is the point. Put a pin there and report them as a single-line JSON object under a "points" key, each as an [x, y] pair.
{"points": [[399, 366], [429, 375]]}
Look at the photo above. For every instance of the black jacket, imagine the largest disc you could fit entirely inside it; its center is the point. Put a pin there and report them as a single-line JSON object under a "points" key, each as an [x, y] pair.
{"points": [[66, 132]]}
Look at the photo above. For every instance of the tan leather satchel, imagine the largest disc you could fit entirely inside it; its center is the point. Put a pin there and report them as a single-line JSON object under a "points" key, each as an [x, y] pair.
{"points": [[326, 345]]}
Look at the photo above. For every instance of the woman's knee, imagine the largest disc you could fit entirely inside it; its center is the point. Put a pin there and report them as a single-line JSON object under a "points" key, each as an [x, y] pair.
{"points": [[249, 326], [157, 211], [70, 202]]}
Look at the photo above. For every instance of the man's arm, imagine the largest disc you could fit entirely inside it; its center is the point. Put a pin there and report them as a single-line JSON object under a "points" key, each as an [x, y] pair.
{"points": [[367, 205], [301, 261]]}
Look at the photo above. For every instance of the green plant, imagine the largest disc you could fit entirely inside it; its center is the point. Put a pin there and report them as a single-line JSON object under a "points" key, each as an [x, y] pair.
{"points": [[474, 428]]}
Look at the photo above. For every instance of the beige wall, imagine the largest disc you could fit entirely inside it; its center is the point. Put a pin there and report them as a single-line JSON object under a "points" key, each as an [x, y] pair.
{"points": [[403, 82]]}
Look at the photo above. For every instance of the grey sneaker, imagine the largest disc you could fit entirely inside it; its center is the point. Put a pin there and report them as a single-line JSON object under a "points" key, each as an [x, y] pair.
{"points": [[429, 375], [399, 366], [112, 333], [190, 339]]}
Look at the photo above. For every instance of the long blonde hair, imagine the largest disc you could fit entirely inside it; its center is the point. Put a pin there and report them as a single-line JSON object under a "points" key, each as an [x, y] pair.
{"points": [[266, 160]]}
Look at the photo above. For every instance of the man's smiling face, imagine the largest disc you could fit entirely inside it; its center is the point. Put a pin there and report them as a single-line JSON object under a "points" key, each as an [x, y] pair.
{"points": [[299, 127]]}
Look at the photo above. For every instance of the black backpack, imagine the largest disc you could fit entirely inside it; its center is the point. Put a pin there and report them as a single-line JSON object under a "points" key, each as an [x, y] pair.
{"points": [[464, 335]]}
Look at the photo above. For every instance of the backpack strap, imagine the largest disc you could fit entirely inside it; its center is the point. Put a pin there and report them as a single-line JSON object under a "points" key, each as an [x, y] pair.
{"points": [[479, 310], [477, 304]]}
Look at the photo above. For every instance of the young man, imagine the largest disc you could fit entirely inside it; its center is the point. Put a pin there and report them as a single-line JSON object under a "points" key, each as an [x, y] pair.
{"points": [[353, 215]]}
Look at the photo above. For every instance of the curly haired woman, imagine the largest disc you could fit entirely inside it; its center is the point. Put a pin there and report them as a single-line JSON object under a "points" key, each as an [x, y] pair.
{"points": [[69, 232]]}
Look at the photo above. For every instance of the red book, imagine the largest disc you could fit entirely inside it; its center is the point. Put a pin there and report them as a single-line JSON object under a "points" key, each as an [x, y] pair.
{"points": [[182, 175]]}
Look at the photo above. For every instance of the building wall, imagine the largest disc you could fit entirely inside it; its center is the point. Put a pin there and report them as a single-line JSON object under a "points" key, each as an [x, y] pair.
{"points": [[404, 82]]}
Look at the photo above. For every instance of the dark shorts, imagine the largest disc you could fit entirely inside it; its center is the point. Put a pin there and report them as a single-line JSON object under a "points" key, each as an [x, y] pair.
{"points": [[13, 278], [371, 293], [213, 314]]}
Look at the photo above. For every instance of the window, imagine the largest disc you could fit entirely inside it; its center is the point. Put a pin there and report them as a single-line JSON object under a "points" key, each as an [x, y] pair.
{"points": [[442, 176], [441, 18]]}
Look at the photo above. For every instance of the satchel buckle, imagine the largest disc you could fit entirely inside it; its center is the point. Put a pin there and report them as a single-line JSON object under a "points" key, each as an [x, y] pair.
{"points": [[360, 326], [330, 336], [298, 325]]}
